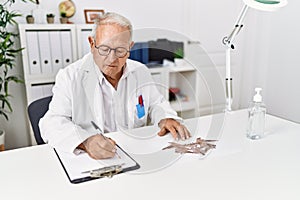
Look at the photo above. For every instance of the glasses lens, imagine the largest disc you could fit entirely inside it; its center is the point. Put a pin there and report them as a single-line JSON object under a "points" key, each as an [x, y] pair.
{"points": [[104, 50], [121, 52]]}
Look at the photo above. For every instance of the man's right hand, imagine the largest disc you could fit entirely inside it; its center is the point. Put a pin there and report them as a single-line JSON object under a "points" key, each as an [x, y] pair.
{"points": [[99, 147]]}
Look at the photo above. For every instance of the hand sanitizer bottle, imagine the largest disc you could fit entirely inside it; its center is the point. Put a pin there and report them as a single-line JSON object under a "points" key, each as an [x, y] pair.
{"points": [[256, 117]]}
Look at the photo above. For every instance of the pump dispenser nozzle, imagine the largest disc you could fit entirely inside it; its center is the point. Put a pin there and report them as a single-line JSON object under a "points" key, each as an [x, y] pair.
{"points": [[257, 97]]}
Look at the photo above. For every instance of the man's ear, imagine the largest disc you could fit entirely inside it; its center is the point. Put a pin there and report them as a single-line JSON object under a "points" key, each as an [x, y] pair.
{"points": [[131, 45], [91, 41]]}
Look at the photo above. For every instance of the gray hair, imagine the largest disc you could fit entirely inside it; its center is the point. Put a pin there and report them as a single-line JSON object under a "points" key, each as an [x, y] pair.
{"points": [[112, 18]]}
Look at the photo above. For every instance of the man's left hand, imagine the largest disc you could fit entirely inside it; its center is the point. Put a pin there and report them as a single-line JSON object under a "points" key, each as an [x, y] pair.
{"points": [[177, 130]]}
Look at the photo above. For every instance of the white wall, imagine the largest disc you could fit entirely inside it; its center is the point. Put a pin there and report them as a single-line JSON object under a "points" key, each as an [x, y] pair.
{"points": [[209, 22], [283, 86], [271, 60], [154, 13]]}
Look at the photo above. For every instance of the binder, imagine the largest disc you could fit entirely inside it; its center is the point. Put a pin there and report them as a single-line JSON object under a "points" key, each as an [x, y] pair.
{"points": [[45, 54], [56, 51], [140, 52], [66, 46], [145, 52], [84, 42], [81, 168], [33, 52]]}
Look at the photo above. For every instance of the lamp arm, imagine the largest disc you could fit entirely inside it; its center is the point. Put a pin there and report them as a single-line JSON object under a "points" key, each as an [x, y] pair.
{"points": [[228, 42]]}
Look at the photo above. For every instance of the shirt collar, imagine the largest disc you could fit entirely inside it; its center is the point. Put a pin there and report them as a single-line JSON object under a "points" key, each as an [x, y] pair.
{"points": [[101, 77], [125, 71]]}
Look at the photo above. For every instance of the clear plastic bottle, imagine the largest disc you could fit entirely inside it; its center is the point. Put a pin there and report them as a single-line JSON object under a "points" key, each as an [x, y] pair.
{"points": [[256, 117]]}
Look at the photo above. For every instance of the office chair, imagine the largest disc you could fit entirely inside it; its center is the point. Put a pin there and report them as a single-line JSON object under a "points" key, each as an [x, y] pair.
{"points": [[36, 110]]}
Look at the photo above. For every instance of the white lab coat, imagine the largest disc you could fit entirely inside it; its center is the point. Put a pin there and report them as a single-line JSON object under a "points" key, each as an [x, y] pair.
{"points": [[77, 100]]}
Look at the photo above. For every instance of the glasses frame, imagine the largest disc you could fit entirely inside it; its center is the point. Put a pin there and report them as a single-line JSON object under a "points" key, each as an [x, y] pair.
{"points": [[110, 49]]}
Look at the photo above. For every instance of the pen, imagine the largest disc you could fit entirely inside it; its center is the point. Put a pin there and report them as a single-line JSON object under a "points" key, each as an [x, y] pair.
{"points": [[141, 101], [101, 133]]}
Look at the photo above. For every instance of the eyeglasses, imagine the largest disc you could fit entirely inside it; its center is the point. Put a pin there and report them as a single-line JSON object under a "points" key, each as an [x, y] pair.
{"points": [[104, 50]]}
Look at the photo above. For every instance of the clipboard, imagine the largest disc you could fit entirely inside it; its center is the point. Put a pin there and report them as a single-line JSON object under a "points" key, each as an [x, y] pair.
{"points": [[81, 168]]}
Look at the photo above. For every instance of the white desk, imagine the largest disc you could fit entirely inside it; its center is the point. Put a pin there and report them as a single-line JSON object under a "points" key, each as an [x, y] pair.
{"points": [[238, 169]]}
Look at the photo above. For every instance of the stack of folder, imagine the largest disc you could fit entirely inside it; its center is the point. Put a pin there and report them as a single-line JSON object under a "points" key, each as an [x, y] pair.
{"points": [[154, 52]]}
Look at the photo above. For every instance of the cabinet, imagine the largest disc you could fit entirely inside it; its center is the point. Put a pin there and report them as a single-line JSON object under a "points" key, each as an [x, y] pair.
{"points": [[184, 79], [49, 47]]}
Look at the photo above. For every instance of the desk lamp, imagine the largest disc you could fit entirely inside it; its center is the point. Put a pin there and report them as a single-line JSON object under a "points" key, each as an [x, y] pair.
{"points": [[264, 5]]}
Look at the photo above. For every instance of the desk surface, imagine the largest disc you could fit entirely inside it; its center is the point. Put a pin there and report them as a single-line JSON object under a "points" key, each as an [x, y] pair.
{"points": [[238, 169]]}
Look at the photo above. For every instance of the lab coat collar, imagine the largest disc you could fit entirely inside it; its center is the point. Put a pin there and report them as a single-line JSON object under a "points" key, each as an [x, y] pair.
{"points": [[89, 78], [129, 68], [91, 87]]}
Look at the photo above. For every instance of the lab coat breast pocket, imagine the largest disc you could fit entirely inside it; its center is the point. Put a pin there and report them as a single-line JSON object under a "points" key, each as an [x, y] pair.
{"points": [[141, 112], [139, 121]]}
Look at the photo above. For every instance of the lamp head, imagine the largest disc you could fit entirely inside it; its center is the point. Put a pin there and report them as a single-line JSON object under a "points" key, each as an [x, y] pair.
{"points": [[266, 5]]}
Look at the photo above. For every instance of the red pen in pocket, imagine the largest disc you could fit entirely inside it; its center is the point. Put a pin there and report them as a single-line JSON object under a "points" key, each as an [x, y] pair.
{"points": [[141, 101]]}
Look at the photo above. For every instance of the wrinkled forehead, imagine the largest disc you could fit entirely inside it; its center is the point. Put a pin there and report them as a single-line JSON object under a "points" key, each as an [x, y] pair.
{"points": [[112, 35]]}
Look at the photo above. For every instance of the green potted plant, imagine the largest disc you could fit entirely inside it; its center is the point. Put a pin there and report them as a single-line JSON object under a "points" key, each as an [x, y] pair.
{"points": [[8, 53], [178, 57], [63, 18], [178, 53], [50, 18]]}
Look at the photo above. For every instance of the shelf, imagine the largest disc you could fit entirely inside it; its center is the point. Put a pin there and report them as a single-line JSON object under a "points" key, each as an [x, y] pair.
{"points": [[40, 79], [39, 27], [157, 69], [172, 69], [181, 68], [183, 105]]}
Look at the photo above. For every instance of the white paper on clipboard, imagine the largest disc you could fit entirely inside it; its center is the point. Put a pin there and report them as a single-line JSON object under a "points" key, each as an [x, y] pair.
{"points": [[74, 165]]}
